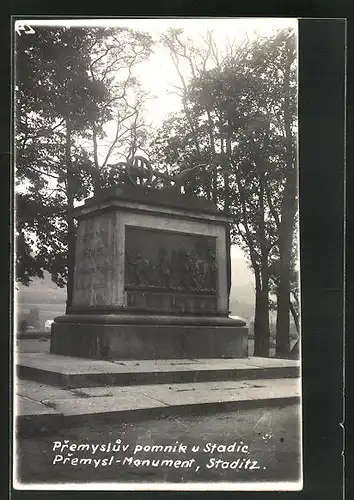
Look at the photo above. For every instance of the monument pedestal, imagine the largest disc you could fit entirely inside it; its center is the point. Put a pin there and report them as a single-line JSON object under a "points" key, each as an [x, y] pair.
{"points": [[149, 337], [151, 280]]}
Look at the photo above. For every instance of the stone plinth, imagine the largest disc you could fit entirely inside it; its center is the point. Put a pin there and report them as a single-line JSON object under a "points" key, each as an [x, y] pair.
{"points": [[151, 280]]}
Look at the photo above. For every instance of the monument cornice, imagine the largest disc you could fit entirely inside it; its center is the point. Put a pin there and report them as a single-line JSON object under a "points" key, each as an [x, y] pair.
{"points": [[185, 213]]}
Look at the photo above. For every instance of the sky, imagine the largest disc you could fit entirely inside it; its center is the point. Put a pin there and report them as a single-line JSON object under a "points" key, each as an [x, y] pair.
{"points": [[158, 74]]}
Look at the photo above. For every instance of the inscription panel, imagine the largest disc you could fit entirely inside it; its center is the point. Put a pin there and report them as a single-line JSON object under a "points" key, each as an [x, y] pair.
{"points": [[94, 261], [171, 302]]}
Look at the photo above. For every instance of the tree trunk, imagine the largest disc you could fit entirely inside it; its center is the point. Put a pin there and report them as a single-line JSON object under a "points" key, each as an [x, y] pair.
{"points": [[71, 225], [295, 317], [262, 331], [286, 228], [283, 319], [228, 263], [214, 174], [227, 176], [285, 253], [96, 182], [215, 186], [261, 321]]}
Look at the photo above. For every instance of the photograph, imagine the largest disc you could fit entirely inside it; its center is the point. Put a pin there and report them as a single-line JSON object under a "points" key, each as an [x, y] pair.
{"points": [[157, 304]]}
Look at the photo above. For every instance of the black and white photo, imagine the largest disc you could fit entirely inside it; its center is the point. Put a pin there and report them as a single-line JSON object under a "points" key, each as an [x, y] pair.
{"points": [[157, 300]]}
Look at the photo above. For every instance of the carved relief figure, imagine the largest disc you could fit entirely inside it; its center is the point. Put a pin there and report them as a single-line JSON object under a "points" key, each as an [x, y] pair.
{"points": [[181, 270], [138, 271], [163, 268]]}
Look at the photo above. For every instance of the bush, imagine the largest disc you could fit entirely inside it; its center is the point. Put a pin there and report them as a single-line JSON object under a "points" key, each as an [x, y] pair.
{"points": [[33, 317], [23, 325]]}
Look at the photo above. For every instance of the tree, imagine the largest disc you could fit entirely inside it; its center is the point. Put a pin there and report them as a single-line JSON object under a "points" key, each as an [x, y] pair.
{"points": [[66, 93], [236, 116], [54, 100], [289, 199], [113, 60], [294, 301], [267, 97]]}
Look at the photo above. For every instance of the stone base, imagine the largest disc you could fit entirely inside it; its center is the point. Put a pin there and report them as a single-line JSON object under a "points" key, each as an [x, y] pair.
{"points": [[149, 337]]}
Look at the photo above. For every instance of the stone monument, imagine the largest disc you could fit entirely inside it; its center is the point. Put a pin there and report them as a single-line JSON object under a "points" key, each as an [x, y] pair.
{"points": [[151, 276]]}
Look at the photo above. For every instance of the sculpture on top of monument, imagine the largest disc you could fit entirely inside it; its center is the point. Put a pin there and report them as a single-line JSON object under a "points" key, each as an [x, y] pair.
{"points": [[140, 173]]}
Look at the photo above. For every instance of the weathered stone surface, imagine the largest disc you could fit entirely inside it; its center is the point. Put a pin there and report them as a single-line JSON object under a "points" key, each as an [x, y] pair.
{"points": [[117, 402], [67, 371], [150, 281], [210, 392], [144, 299], [27, 406], [105, 238], [96, 263], [120, 341], [72, 365], [41, 392], [165, 198], [99, 400]]}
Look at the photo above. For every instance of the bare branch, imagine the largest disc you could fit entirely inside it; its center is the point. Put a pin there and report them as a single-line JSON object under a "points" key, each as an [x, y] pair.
{"points": [[93, 63], [114, 142]]}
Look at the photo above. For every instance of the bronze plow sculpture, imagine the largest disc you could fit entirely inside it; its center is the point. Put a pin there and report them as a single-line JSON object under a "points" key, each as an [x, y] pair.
{"points": [[139, 169]]}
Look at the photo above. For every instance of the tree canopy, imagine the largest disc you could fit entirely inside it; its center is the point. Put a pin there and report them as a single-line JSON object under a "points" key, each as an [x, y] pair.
{"points": [[70, 82]]}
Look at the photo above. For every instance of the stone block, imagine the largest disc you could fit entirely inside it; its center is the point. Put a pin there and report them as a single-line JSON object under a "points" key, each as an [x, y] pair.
{"points": [[148, 341]]}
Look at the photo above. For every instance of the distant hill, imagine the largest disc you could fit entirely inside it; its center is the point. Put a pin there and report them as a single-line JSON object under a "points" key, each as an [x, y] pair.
{"points": [[42, 294], [40, 291], [242, 295]]}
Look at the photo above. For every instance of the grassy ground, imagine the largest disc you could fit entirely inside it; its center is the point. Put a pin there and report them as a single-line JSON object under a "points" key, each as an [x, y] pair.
{"points": [[271, 435]]}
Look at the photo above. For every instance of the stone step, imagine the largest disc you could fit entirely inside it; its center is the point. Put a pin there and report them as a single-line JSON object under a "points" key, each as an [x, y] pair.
{"points": [[65, 371], [42, 407]]}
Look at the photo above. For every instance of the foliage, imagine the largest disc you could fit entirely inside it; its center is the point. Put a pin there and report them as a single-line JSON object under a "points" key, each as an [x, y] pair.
{"points": [[67, 90], [33, 317], [23, 325]]}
